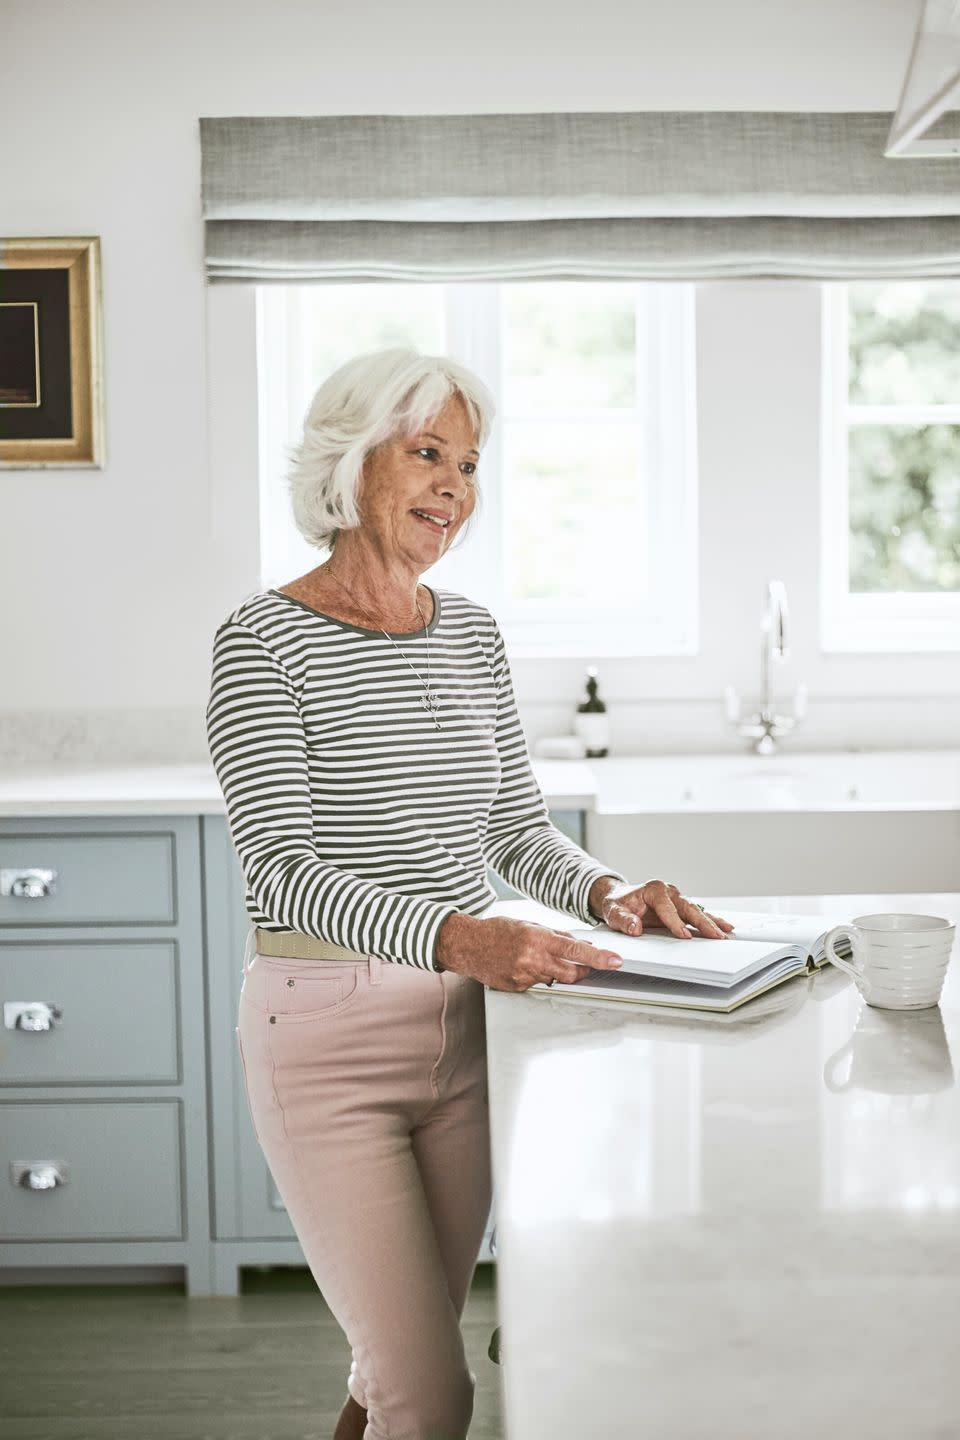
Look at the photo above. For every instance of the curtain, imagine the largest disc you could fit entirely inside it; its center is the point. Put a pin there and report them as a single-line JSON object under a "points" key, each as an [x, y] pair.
{"points": [[640, 195]]}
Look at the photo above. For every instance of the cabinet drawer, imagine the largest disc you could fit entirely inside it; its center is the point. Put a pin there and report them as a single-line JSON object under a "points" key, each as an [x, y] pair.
{"points": [[98, 878], [100, 1012], [120, 1163]]}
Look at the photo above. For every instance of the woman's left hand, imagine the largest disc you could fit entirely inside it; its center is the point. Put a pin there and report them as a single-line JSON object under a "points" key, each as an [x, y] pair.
{"points": [[657, 905]]}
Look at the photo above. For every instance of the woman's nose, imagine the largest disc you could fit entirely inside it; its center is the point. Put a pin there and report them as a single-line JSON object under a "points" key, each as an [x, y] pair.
{"points": [[452, 482]]}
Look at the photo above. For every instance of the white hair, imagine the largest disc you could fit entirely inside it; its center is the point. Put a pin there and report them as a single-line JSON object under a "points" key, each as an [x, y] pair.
{"points": [[362, 404]]}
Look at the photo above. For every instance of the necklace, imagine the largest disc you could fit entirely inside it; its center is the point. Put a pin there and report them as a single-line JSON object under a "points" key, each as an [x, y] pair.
{"points": [[430, 701]]}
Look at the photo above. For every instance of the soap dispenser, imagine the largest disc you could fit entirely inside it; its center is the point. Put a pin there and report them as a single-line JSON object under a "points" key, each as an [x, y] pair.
{"points": [[591, 722]]}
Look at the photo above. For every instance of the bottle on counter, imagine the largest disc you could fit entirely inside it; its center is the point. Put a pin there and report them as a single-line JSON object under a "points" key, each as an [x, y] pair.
{"points": [[591, 721]]}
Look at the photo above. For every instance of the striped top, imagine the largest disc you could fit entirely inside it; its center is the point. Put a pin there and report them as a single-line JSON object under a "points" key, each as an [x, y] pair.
{"points": [[354, 818]]}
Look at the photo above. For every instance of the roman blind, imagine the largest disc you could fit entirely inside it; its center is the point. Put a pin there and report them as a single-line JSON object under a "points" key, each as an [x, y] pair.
{"points": [[620, 196]]}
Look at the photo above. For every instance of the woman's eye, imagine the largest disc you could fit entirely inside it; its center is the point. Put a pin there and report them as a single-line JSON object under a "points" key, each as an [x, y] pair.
{"points": [[468, 467]]}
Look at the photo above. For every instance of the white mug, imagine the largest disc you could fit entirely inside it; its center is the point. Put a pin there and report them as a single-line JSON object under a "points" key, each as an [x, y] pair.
{"points": [[899, 961]]}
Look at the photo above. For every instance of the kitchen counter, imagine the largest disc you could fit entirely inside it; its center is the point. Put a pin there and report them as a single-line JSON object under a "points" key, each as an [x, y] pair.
{"points": [[618, 787], [193, 789], [131, 789], [740, 1227]]}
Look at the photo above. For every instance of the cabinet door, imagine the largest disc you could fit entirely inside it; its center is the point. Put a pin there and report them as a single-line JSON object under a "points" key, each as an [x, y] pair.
{"points": [[91, 1012], [247, 1205], [91, 1170], [49, 876]]}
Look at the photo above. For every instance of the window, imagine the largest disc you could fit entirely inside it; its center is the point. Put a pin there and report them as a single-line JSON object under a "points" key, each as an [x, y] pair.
{"points": [[891, 466], [581, 544]]}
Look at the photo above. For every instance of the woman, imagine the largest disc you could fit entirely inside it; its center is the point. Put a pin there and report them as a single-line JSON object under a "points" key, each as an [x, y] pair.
{"points": [[364, 731]]}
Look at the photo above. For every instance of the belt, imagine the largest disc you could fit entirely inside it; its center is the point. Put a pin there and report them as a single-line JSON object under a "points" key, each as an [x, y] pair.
{"points": [[292, 945]]}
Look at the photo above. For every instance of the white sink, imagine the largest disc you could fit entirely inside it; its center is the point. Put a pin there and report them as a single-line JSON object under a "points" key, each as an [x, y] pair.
{"points": [[885, 780], [838, 822]]}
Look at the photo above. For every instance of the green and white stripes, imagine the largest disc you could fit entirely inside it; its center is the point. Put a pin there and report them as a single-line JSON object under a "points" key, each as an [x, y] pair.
{"points": [[353, 817]]}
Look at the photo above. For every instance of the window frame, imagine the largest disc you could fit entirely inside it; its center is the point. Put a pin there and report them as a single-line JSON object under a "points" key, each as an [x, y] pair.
{"points": [[870, 623], [668, 625]]}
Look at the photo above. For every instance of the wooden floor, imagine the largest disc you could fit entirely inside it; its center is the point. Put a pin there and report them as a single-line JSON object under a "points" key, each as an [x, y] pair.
{"points": [[143, 1362]]}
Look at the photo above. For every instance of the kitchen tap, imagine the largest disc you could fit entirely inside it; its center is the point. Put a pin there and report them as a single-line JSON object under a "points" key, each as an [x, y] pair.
{"points": [[766, 726]]}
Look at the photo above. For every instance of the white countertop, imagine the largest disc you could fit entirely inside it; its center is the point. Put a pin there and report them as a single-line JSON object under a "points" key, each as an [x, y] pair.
{"points": [[733, 1227], [626, 784], [193, 789], [182, 789]]}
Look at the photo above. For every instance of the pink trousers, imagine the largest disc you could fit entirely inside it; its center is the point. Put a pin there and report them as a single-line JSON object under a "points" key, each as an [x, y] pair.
{"points": [[367, 1087]]}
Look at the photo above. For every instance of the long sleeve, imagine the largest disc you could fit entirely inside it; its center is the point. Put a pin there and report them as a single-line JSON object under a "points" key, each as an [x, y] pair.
{"points": [[521, 843], [258, 746]]}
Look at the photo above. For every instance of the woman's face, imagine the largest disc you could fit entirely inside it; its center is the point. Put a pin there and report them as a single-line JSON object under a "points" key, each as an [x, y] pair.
{"points": [[409, 479]]}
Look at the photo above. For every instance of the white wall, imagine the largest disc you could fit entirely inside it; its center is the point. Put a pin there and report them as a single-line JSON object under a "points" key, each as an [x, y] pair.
{"points": [[118, 575]]}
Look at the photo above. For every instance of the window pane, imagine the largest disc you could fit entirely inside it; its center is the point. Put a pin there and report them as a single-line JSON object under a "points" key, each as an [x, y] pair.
{"points": [[905, 343], [574, 513], [346, 320], [568, 346], [905, 508]]}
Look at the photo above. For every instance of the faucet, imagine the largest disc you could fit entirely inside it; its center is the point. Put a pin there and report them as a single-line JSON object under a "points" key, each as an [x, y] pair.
{"points": [[765, 726]]}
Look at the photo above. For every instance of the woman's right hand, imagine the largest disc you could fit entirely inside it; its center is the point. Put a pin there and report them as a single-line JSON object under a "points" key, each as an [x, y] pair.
{"points": [[514, 954]]}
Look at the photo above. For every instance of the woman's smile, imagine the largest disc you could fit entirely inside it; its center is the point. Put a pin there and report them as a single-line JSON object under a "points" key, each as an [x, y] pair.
{"points": [[436, 520]]}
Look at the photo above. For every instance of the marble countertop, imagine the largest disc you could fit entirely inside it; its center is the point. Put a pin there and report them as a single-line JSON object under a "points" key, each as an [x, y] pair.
{"points": [[632, 784], [740, 1226], [128, 789], [193, 789]]}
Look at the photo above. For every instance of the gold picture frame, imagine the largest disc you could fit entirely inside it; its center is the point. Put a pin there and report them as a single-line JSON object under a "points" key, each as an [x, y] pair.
{"points": [[51, 353]]}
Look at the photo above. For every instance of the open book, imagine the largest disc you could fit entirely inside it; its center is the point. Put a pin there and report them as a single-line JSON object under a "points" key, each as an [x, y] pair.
{"points": [[704, 974]]}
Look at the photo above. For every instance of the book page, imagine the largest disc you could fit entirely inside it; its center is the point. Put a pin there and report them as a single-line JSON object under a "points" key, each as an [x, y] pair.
{"points": [[804, 930], [698, 960]]}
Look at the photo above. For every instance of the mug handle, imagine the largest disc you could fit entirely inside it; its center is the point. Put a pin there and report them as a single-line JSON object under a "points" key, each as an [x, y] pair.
{"points": [[829, 945]]}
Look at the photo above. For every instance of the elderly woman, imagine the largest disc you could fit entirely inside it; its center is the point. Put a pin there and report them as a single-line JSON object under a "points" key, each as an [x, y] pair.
{"points": [[365, 735]]}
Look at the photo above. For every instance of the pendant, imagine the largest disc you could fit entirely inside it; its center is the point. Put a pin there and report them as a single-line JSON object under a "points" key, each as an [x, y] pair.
{"points": [[431, 703]]}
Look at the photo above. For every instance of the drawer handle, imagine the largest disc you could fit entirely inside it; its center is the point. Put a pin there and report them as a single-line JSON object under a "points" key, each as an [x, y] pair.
{"points": [[33, 884], [30, 1015], [41, 1175]]}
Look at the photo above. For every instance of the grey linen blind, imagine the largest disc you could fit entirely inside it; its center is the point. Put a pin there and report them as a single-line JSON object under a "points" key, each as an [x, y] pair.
{"points": [[617, 196]]}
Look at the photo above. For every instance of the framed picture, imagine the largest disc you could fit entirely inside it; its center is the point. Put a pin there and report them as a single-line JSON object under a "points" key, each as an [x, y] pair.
{"points": [[51, 353]]}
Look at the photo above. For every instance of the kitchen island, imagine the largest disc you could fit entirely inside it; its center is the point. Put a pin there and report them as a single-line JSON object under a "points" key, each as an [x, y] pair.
{"points": [[741, 1227]]}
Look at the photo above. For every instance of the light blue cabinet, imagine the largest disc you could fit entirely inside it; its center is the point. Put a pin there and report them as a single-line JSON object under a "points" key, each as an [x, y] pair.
{"points": [[250, 1224], [124, 1130], [103, 1089]]}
